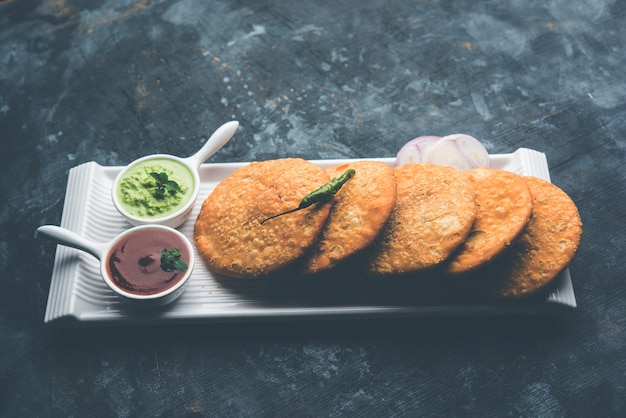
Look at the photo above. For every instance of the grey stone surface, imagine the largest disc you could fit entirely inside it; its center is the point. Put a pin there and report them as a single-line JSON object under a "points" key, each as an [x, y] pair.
{"points": [[110, 81]]}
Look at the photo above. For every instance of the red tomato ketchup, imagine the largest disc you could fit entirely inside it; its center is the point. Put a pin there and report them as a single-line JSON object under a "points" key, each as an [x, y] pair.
{"points": [[134, 262]]}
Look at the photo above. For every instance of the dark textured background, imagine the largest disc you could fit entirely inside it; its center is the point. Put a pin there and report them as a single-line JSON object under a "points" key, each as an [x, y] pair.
{"points": [[110, 81]]}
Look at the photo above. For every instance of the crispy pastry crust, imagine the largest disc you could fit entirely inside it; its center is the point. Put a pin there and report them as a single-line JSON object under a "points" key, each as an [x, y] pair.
{"points": [[359, 212], [544, 249], [228, 232], [504, 206], [434, 212]]}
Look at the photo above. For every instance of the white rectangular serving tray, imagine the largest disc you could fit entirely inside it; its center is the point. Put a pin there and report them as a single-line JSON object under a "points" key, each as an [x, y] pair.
{"points": [[79, 297]]}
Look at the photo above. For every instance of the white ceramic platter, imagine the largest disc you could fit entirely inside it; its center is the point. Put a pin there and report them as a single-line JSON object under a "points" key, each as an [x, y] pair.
{"points": [[79, 297]]}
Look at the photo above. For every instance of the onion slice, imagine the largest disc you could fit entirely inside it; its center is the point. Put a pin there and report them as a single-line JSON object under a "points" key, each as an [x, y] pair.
{"points": [[460, 151], [416, 150]]}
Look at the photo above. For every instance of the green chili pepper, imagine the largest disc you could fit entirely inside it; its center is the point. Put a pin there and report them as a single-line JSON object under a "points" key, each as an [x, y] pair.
{"points": [[321, 193]]}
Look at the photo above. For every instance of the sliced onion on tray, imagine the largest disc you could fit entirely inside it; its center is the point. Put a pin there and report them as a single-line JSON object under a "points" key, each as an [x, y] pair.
{"points": [[460, 151], [416, 150]]}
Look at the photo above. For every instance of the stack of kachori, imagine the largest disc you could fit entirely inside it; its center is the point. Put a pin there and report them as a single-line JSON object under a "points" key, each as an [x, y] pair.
{"points": [[515, 233]]}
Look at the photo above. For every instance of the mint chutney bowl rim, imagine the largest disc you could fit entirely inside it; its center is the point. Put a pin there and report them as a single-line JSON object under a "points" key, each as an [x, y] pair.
{"points": [[173, 219]]}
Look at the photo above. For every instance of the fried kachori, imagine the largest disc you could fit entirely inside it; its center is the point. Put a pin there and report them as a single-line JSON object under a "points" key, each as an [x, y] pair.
{"points": [[228, 232], [433, 214], [544, 249], [504, 206], [358, 213]]}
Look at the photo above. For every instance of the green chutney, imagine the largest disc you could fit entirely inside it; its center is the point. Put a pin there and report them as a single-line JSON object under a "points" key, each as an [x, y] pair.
{"points": [[136, 191]]}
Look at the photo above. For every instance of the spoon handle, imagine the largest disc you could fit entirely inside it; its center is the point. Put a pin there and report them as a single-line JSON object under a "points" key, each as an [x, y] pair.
{"points": [[220, 137], [71, 239]]}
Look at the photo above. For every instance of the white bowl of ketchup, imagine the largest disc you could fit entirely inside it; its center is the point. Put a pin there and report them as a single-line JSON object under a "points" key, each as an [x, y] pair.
{"points": [[146, 266]]}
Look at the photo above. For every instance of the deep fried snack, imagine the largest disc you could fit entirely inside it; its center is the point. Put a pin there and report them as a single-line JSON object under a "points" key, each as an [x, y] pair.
{"points": [[358, 213], [434, 211], [228, 231], [544, 249], [504, 206]]}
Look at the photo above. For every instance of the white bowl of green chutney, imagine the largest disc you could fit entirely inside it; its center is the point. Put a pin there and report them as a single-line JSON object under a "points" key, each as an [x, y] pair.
{"points": [[162, 189]]}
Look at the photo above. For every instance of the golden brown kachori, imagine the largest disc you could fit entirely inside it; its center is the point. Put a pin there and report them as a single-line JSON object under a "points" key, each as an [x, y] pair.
{"points": [[504, 206], [434, 212], [544, 249], [228, 232], [358, 213]]}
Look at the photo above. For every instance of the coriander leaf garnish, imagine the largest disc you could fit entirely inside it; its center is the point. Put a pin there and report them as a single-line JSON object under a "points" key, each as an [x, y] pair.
{"points": [[163, 185], [170, 260]]}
